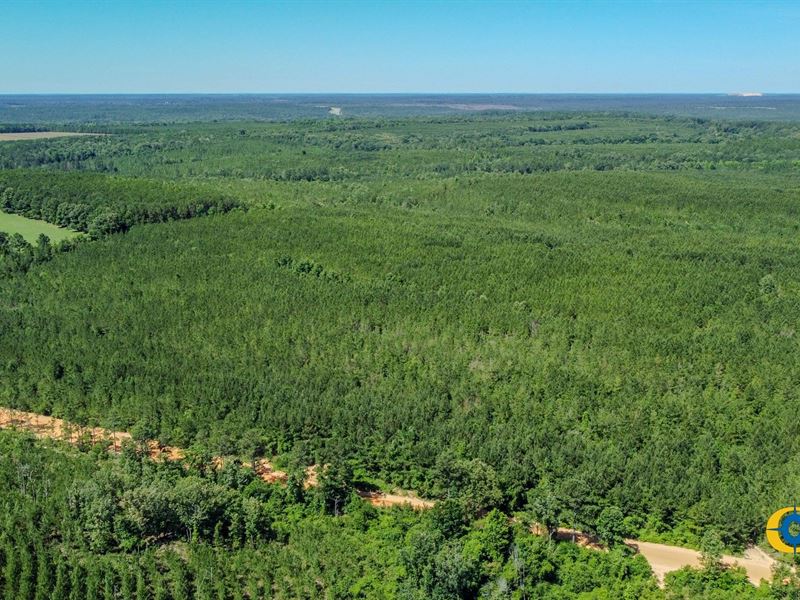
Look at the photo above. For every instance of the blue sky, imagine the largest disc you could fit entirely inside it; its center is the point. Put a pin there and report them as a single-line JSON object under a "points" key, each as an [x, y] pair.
{"points": [[453, 46]]}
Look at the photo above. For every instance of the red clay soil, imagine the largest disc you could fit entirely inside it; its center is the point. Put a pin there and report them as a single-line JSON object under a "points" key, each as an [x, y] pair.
{"points": [[45, 427], [382, 500]]}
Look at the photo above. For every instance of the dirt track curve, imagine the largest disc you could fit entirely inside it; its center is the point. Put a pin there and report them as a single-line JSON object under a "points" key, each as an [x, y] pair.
{"points": [[662, 558]]}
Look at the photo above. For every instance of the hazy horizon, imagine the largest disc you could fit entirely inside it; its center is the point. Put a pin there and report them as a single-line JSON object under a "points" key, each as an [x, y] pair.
{"points": [[731, 94], [185, 107]]}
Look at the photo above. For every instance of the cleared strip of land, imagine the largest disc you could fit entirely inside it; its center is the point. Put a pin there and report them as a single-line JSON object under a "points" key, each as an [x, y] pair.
{"points": [[40, 135], [46, 427], [663, 559], [31, 228]]}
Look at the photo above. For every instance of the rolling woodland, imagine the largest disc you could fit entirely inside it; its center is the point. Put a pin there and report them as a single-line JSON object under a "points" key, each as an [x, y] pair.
{"points": [[576, 319]]}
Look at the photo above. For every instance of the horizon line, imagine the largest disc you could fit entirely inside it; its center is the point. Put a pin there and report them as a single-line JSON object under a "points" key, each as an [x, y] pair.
{"points": [[737, 93]]}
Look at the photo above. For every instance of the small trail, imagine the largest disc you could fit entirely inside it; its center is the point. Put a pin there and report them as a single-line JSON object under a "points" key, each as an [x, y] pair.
{"points": [[382, 500], [52, 428], [44, 427]]}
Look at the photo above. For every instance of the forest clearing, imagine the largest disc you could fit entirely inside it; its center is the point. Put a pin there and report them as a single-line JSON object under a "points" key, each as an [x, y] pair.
{"points": [[31, 229], [41, 135]]}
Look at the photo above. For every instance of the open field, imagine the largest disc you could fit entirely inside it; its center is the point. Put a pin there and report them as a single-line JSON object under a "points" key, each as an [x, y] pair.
{"points": [[30, 229], [40, 135]]}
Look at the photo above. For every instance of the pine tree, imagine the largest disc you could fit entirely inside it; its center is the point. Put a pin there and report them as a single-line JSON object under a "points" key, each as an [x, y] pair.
{"points": [[44, 574], [93, 581], [26, 573], [142, 590], [127, 581], [10, 573], [61, 586], [109, 581], [179, 579], [77, 581], [159, 581], [2, 565]]}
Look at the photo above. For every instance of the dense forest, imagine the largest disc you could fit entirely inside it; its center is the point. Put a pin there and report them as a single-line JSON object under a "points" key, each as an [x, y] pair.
{"points": [[357, 150], [595, 332], [102, 205], [591, 313]]}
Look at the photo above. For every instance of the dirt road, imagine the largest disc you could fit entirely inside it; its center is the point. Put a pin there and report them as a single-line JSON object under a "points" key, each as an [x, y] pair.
{"points": [[662, 558], [40, 135], [45, 427], [382, 500]]}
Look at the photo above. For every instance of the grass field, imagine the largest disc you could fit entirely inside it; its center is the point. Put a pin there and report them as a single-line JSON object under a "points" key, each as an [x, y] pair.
{"points": [[31, 228]]}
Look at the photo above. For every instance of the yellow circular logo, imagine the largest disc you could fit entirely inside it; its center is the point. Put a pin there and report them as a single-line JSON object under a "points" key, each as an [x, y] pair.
{"points": [[779, 533]]}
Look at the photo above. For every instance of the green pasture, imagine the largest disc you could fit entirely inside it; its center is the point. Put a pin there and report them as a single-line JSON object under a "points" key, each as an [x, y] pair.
{"points": [[30, 229]]}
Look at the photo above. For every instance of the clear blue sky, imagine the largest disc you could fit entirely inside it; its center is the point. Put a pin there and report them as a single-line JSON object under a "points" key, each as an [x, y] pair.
{"points": [[237, 46]]}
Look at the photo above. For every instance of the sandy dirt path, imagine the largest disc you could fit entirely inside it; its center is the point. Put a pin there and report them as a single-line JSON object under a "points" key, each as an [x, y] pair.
{"points": [[383, 500], [45, 427], [663, 559]]}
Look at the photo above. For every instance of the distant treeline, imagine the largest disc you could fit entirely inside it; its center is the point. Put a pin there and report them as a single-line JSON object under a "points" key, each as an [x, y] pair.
{"points": [[430, 147], [20, 128], [101, 205]]}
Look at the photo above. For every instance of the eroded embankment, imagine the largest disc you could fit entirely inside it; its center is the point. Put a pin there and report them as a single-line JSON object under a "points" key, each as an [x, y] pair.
{"points": [[46, 427]]}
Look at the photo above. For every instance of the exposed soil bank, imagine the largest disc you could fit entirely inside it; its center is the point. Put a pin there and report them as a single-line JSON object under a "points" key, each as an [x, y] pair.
{"points": [[45, 427]]}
